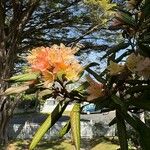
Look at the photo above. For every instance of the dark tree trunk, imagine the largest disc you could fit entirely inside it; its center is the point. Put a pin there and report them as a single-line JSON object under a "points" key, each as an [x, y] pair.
{"points": [[4, 119], [10, 40], [6, 111]]}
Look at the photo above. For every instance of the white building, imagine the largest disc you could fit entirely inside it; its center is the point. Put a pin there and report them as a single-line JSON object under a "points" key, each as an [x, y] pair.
{"points": [[50, 104]]}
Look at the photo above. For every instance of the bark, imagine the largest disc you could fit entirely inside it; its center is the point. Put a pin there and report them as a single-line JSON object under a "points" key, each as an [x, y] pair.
{"points": [[9, 44], [7, 107], [4, 113]]}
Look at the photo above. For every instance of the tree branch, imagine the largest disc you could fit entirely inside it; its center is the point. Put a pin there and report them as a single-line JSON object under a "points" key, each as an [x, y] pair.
{"points": [[89, 30]]}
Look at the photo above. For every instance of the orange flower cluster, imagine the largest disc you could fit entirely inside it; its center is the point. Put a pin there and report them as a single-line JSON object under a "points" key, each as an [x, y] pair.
{"points": [[55, 61]]}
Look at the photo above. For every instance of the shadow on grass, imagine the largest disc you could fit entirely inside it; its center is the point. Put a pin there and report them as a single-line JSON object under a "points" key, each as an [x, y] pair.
{"points": [[46, 145], [54, 145], [89, 144], [61, 144]]}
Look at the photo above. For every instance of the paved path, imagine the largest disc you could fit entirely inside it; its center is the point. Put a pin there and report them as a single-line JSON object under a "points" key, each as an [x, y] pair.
{"points": [[38, 118]]}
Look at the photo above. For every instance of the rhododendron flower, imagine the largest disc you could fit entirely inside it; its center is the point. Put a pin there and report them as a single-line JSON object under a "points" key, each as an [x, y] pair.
{"points": [[115, 22], [60, 53], [139, 65], [132, 61], [55, 61], [143, 68], [39, 59], [95, 89], [48, 76], [72, 71], [115, 68], [131, 4], [107, 6]]}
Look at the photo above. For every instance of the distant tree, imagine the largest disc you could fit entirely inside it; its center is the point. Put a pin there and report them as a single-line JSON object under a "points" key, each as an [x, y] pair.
{"points": [[123, 86], [30, 23]]}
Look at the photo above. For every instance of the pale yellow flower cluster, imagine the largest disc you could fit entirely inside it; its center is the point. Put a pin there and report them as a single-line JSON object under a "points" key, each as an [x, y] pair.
{"points": [[105, 6], [137, 64], [131, 4], [115, 68]]}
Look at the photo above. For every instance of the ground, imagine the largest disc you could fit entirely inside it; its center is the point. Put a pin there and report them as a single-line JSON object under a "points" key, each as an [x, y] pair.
{"points": [[95, 144]]}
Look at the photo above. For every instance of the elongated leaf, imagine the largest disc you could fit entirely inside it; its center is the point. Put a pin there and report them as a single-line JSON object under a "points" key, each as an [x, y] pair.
{"points": [[144, 49], [24, 77], [146, 8], [102, 104], [115, 49], [82, 87], [122, 135], [114, 121], [75, 125], [144, 134], [93, 64], [32, 90], [48, 123], [16, 90], [64, 129], [145, 39], [40, 133], [141, 103], [122, 56], [141, 128], [128, 19], [118, 101], [45, 93], [95, 75]]}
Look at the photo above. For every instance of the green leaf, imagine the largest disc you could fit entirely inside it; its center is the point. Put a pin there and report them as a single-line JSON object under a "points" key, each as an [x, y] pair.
{"points": [[93, 64], [123, 55], [40, 133], [144, 49], [16, 90], [48, 123], [136, 89], [82, 87], [75, 125], [145, 38], [141, 103], [144, 134], [24, 77], [115, 49], [102, 104], [31, 90], [118, 101], [146, 9], [45, 93], [145, 25], [128, 19], [122, 134], [114, 121], [95, 75], [142, 129], [64, 129]]}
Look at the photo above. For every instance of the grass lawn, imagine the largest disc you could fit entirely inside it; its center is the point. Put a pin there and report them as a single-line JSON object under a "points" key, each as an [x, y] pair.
{"points": [[96, 144]]}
